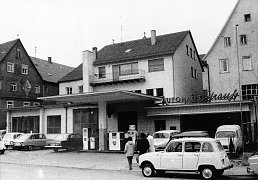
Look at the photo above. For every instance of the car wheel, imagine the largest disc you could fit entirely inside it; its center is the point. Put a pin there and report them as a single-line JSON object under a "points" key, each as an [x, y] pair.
{"points": [[2, 151], [56, 150], [207, 172], [148, 170], [30, 148]]}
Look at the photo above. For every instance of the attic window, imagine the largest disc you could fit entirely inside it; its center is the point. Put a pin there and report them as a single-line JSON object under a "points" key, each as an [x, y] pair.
{"points": [[128, 50]]}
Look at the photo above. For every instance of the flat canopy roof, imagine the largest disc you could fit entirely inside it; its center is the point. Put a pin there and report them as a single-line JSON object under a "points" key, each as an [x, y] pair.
{"points": [[95, 97]]}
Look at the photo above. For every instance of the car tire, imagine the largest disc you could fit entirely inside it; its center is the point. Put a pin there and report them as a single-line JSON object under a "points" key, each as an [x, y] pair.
{"points": [[148, 170], [30, 148], [207, 172], [2, 151], [55, 149]]}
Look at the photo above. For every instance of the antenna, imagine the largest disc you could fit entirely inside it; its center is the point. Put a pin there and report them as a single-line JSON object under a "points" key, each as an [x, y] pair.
{"points": [[121, 33], [113, 41], [35, 51], [17, 36]]}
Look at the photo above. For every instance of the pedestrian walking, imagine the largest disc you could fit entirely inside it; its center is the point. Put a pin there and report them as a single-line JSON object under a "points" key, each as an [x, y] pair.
{"points": [[129, 151], [151, 142], [142, 145]]}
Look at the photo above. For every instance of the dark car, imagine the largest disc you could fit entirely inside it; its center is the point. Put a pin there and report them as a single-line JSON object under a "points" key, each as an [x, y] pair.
{"points": [[188, 134], [67, 142]]}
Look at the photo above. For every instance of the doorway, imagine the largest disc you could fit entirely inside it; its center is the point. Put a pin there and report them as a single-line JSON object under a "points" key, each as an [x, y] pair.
{"points": [[125, 119]]}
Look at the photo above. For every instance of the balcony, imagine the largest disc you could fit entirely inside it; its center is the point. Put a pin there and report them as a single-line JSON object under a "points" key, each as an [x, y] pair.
{"points": [[116, 78]]}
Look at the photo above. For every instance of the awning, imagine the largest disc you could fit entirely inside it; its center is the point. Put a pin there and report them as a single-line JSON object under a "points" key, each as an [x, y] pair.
{"points": [[95, 97]]}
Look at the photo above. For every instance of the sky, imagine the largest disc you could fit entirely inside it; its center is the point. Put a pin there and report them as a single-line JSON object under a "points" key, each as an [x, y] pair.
{"points": [[62, 29]]}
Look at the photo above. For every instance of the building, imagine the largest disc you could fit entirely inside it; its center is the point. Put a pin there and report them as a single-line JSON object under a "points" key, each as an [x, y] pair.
{"points": [[113, 87], [232, 60], [22, 80]]}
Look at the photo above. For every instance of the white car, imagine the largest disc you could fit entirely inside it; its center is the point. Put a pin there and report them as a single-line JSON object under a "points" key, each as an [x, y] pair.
{"points": [[10, 137], [253, 164], [2, 146], [203, 155], [161, 138]]}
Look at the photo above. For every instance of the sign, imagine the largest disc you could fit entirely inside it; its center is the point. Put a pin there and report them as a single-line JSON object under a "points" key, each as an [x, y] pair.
{"points": [[27, 87], [200, 99]]}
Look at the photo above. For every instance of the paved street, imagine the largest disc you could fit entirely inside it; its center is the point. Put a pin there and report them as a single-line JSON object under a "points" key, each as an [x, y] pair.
{"points": [[45, 164]]}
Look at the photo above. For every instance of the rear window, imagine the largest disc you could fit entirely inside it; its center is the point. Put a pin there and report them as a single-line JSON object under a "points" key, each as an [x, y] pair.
{"points": [[161, 135], [220, 147], [225, 134]]}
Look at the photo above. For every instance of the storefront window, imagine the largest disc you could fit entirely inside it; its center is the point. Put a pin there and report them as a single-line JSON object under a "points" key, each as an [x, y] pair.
{"points": [[54, 124]]}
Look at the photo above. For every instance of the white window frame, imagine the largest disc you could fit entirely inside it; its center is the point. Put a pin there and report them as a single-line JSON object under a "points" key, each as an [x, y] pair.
{"points": [[10, 67], [26, 104], [243, 39], [13, 87], [25, 69], [10, 104], [69, 90], [37, 89], [154, 67], [227, 42], [248, 65], [36, 104], [221, 66]]}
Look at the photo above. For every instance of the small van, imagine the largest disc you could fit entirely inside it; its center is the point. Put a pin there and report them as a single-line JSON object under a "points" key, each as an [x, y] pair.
{"points": [[227, 133]]}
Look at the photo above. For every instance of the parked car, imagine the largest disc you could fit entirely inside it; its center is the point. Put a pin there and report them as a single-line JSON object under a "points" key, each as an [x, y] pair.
{"points": [[9, 138], [188, 134], [2, 132], [30, 141], [66, 141], [203, 155], [253, 164], [233, 133], [161, 138], [2, 146]]}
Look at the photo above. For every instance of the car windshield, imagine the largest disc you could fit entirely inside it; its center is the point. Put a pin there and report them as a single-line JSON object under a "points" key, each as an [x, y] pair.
{"points": [[225, 134], [24, 136], [161, 135], [61, 137]]}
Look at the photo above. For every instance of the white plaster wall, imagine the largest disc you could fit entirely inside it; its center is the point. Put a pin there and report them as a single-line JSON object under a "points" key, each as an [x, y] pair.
{"points": [[228, 82], [158, 79], [74, 84]]}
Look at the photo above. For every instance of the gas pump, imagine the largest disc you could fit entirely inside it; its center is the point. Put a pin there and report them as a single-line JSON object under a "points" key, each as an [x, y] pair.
{"points": [[132, 132], [116, 140], [85, 135]]}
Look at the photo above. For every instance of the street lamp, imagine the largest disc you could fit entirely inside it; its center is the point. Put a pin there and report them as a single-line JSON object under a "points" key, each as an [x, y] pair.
{"points": [[239, 84]]}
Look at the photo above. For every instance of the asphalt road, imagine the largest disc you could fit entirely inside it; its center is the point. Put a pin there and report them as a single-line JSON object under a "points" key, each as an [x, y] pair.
{"points": [[47, 165]]}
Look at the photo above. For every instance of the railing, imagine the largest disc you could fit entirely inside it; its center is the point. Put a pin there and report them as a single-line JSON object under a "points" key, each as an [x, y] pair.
{"points": [[116, 78]]}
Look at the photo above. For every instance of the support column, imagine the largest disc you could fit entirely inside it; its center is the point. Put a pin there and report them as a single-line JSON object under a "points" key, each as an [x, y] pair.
{"points": [[102, 125], [41, 121], [8, 122]]}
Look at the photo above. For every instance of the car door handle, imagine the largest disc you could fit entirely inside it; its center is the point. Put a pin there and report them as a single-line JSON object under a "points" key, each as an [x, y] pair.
{"points": [[196, 155]]}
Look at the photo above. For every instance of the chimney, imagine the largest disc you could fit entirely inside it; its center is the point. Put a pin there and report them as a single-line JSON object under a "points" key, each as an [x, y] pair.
{"points": [[50, 60], [95, 52], [153, 37]]}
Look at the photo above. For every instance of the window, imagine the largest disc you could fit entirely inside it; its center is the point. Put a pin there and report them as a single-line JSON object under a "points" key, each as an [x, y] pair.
{"points": [[191, 53], [192, 146], [247, 63], [194, 55], [138, 91], [69, 90], [249, 91], [10, 67], [80, 89], [187, 50], [127, 69], [54, 124], [18, 51], [195, 73], [223, 63], [227, 42], [102, 72], [0, 85], [149, 92], [247, 17], [10, 104], [24, 69], [37, 89], [192, 72], [174, 147], [46, 89], [36, 104], [207, 147], [159, 92], [13, 87], [243, 39], [26, 104], [156, 65]]}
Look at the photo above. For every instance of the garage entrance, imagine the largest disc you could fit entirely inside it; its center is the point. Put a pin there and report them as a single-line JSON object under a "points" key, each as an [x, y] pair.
{"points": [[125, 119]]}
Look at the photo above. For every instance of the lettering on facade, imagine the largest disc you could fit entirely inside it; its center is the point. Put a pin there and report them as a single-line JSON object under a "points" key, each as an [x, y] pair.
{"points": [[201, 99]]}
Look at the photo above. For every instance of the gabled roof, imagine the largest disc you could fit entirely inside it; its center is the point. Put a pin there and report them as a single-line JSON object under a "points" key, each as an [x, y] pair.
{"points": [[50, 71], [6, 47], [74, 75], [221, 31], [142, 48]]}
